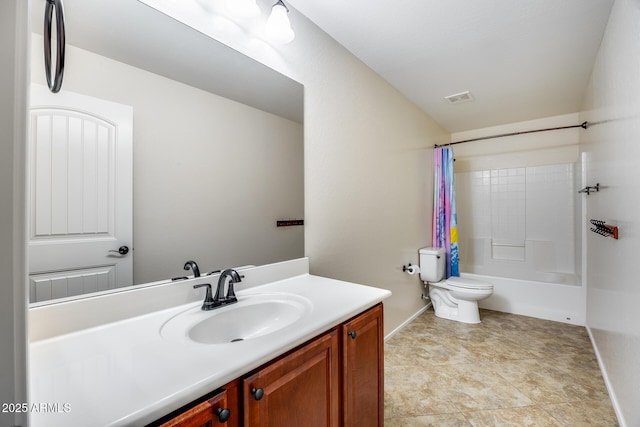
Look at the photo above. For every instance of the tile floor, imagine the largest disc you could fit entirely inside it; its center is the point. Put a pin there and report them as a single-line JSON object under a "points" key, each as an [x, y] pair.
{"points": [[507, 371]]}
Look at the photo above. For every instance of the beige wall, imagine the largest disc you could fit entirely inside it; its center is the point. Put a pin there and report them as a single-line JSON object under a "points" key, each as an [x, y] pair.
{"points": [[368, 166], [610, 151], [210, 176], [368, 172], [368, 189], [534, 149]]}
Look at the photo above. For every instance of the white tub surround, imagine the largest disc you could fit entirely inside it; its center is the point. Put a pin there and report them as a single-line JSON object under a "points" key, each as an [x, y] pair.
{"points": [[520, 222], [125, 373]]}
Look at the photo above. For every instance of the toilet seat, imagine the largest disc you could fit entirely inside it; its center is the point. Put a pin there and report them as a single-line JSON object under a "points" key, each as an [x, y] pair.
{"points": [[465, 283]]}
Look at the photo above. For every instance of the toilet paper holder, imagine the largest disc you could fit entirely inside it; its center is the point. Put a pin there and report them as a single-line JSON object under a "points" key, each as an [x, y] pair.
{"points": [[410, 269]]}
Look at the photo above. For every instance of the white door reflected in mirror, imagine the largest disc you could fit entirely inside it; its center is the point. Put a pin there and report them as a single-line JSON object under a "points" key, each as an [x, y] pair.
{"points": [[80, 195]]}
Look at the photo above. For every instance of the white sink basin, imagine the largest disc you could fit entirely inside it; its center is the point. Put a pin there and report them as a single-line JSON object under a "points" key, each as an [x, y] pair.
{"points": [[253, 316]]}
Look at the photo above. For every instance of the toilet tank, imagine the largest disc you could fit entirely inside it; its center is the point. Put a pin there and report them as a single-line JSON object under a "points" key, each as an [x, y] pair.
{"points": [[432, 264]]}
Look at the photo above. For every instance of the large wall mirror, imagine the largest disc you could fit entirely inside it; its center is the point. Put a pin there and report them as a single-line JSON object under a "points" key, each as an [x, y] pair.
{"points": [[198, 145]]}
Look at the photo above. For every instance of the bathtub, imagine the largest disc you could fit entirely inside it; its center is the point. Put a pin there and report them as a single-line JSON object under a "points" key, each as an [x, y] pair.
{"points": [[564, 301]]}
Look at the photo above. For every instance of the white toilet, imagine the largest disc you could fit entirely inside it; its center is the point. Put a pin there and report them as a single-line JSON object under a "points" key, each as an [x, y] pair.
{"points": [[455, 298]]}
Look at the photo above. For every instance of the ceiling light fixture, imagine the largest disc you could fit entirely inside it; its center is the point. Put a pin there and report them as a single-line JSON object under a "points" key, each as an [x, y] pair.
{"points": [[243, 8], [278, 27]]}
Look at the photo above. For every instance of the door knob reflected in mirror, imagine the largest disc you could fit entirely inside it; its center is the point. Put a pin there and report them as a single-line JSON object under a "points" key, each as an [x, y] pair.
{"points": [[122, 250]]}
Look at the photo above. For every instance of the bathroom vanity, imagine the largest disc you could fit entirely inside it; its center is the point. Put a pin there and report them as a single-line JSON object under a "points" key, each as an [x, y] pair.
{"points": [[319, 364], [335, 379]]}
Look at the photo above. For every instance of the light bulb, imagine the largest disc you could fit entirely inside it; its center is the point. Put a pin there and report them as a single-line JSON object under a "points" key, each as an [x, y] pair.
{"points": [[243, 8], [278, 27]]}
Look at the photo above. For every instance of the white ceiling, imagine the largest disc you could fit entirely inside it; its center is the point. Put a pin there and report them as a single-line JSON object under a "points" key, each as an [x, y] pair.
{"points": [[521, 59]]}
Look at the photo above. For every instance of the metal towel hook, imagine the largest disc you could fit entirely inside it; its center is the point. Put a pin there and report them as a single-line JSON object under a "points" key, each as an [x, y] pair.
{"points": [[56, 83], [596, 188], [606, 230]]}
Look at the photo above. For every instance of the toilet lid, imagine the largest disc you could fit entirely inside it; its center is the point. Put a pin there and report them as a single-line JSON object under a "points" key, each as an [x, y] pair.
{"points": [[463, 282]]}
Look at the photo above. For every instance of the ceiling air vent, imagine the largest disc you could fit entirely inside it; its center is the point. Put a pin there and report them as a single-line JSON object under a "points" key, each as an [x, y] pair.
{"points": [[458, 98]]}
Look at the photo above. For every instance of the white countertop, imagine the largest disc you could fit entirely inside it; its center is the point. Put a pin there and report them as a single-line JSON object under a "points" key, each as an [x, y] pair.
{"points": [[126, 374]]}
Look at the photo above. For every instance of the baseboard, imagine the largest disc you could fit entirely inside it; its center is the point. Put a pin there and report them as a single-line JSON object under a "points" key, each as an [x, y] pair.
{"points": [[409, 320], [607, 383]]}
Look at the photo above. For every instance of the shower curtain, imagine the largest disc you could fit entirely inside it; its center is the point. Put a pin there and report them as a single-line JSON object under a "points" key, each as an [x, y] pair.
{"points": [[445, 224]]}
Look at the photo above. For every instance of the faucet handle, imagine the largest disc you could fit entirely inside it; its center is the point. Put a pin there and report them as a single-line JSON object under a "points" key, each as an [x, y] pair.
{"points": [[209, 303]]}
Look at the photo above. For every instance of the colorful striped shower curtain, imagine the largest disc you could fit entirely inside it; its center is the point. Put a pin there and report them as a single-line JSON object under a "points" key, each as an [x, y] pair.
{"points": [[445, 223]]}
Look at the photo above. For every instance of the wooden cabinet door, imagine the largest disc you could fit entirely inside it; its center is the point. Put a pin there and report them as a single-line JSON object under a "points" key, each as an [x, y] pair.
{"points": [[234, 405], [221, 410], [302, 389], [363, 369]]}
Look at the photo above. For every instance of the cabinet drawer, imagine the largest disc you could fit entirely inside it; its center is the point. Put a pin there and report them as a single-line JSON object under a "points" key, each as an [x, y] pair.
{"points": [[218, 410]]}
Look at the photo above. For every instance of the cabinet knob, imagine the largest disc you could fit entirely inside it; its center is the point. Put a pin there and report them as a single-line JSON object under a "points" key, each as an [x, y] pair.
{"points": [[257, 393], [223, 414], [352, 334]]}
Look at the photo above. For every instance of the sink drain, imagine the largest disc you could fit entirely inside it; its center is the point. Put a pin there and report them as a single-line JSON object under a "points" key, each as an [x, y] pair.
{"points": [[237, 339]]}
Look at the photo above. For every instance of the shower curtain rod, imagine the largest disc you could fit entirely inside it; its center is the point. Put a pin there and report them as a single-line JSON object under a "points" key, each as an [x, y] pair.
{"points": [[583, 125]]}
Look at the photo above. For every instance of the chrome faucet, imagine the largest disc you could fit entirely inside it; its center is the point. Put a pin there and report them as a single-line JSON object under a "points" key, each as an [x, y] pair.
{"points": [[193, 266], [230, 298]]}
